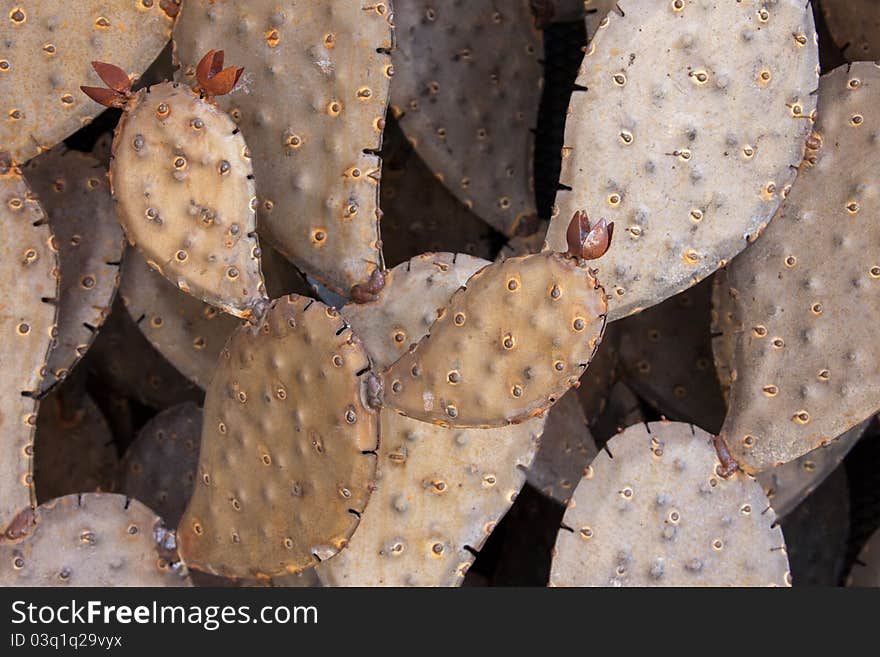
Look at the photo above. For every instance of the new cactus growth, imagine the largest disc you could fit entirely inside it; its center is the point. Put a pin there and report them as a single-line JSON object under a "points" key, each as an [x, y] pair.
{"points": [[282, 481], [47, 47], [645, 145], [159, 467], [90, 540], [661, 515], [182, 179], [796, 384], [469, 111], [29, 271], [313, 115], [73, 190], [510, 343]]}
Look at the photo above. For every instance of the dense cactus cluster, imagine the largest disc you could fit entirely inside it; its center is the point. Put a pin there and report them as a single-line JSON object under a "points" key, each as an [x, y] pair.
{"points": [[293, 310]]}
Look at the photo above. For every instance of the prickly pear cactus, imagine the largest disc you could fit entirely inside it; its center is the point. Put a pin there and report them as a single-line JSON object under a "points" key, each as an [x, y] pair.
{"points": [[419, 215], [666, 356], [662, 516], [74, 192], [566, 449], [288, 446], [29, 271], [73, 447], [188, 332], [789, 484], [93, 539], [159, 467], [797, 384], [312, 108], [182, 178], [132, 368], [439, 492], [644, 146], [855, 27], [506, 347], [466, 89], [47, 50]]}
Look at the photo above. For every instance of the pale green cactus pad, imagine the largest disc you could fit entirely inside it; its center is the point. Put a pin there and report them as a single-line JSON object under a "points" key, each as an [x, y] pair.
{"points": [[74, 192], [659, 515], [312, 108], [46, 55], [93, 539], [467, 84], [644, 146], [29, 271], [796, 384]]}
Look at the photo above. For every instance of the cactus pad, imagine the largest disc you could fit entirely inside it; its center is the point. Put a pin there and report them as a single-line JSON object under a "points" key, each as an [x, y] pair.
{"points": [[800, 380], [419, 214], [92, 539], [566, 448], [505, 348], [29, 271], [791, 483], [47, 47], [855, 27], [143, 374], [438, 492], [159, 468], [73, 447], [188, 332], [312, 108], [661, 516], [282, 480], [644, 146], [74, 192], [666, 356], [182, 178], [407, 306], [467, 84]]}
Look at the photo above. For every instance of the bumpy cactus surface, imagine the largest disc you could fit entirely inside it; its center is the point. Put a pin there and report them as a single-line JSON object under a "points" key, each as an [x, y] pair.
{"points": [[644, 147], [282, 481], [468, 112], [159, 468], [660, 514], [312, 109], [47, 48], [29, 270], [74, 192], [90, 540], [182, 179], [795, 384]]}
